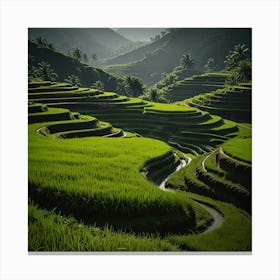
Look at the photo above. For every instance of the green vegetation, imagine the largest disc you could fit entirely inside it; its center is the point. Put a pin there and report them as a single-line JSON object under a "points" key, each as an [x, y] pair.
{"points": [[239, 148], [235, 234], [65, 66], [175, 124], [231, 102], [197, 84], [210, 66], [112, 169], [186, 61], [165, 52], [48, 231]]}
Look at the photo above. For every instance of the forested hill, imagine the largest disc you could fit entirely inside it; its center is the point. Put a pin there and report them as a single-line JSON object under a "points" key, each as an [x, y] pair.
{"points": [[65, 66], [164, 54], [139, 34], [101, 41]]}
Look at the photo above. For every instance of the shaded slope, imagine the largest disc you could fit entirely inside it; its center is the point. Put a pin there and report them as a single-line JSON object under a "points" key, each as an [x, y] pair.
{"points": [[232, 102], [165, 53], [101, 41], [65, 66], [197, 84]]}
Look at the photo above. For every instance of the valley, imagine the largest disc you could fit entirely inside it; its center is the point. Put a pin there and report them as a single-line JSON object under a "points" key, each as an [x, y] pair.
{"points": [[120, 164]]}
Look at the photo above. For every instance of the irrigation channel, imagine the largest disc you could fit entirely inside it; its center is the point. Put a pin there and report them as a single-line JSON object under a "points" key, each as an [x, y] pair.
{"points": [[218, 218]]}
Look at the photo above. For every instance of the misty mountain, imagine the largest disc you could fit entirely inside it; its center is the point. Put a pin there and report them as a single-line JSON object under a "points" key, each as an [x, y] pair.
{"points": [[65, 66], [139, 34], [148, 62], [101, 41]]}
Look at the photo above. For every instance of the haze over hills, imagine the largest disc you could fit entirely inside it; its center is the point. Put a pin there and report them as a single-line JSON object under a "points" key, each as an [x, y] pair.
{"points": [[65, 66], [148, 62], [101, 41], [139, 34]]}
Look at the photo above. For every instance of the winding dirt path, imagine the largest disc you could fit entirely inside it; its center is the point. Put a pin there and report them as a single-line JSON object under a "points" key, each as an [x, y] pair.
{"points": [[203, 162], [218, 218]]}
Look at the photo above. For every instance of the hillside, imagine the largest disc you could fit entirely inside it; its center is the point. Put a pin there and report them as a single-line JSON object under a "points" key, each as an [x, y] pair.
{"points": [[101, 190], [165, 53], [139, 34], [65, 66], [101, 41]]}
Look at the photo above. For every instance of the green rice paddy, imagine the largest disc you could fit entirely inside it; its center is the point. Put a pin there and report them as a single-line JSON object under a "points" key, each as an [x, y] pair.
{"points": [[94, 160]]}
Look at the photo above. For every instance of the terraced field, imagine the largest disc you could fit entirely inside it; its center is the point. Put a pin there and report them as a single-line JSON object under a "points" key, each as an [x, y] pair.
{"points": [[187, 129], [232, 102], [224, 174], [93, 180], [190, 87]]}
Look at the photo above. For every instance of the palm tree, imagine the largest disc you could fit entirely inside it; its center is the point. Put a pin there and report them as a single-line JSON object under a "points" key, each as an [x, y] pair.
{"points": [[244, 71], [40, 41], [154, 95], [98, 85], [85, 58], [46, 72], [73, 80], [133, 85], [186, 61], [210, 65], [240, 52], [77, 54]]}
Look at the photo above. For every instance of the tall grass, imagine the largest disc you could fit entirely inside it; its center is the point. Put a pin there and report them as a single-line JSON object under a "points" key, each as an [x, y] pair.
{"points": [[239, 148], [235, 234], [98, 179], [48, 231]]}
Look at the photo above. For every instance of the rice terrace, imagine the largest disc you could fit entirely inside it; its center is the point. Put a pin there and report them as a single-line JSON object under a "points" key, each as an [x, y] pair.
{"points": [[139, 139]]}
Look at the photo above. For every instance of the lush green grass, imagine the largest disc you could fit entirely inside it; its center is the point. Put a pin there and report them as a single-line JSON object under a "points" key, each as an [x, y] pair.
{"points": [[235, 234], [245, 130], [239, 148], [221, 181], [197, 84], [96, 182], [48, 231], [149, 119], [232, 102], [94, 178], [160, 107]]}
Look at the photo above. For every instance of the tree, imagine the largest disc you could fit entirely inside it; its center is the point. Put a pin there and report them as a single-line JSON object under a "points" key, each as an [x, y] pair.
{"points": [[244, 71], [210, 66], [134, 86], [33, 71], [43, 43], [98, 85], [85, 57], [40, 41], [168, 79], [186, 61], [121, 86], [76, 54], [154, 94], [46, 72], [94, 57], [240, 52], [73, 80]]}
